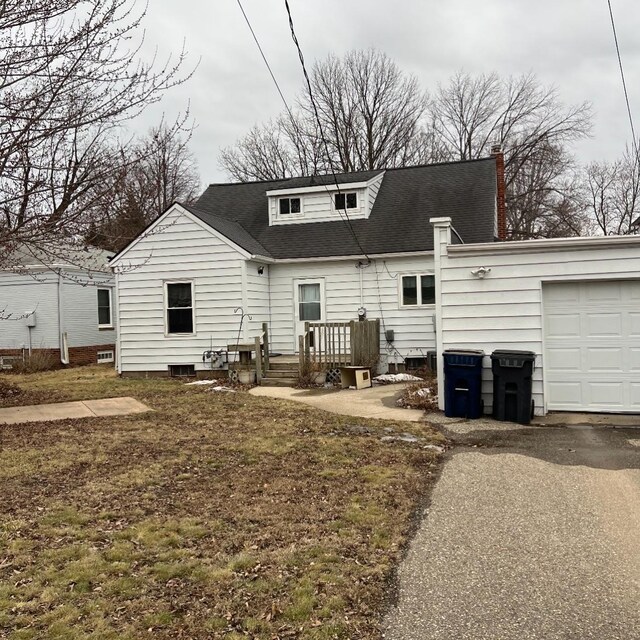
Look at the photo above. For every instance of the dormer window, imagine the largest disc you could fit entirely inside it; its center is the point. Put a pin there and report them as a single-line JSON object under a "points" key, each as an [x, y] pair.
{"points": [[344, 201], [290, 206]]}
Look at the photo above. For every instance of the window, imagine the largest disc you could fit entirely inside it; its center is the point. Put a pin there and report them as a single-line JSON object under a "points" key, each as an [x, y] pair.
{"points": [[105, 356], [418, 290], [105, 320], [346, 200], [182, 370], [309, 304], [179, 298], [289, 206]]}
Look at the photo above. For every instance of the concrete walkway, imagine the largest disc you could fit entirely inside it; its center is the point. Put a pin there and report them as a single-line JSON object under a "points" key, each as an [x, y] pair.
{"points": [[376, 402], [531, 534], [65, 410]]}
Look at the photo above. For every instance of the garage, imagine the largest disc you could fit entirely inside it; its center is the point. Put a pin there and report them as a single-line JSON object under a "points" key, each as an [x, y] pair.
{"points": [[592, 345]]}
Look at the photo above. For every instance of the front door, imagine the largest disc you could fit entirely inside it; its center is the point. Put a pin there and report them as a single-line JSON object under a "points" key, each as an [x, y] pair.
{"points": [[309, 304]]}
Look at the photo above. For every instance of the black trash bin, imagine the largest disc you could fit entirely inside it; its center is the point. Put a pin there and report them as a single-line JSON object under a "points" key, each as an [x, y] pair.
{"points": [[512, 372], [463, 383]]}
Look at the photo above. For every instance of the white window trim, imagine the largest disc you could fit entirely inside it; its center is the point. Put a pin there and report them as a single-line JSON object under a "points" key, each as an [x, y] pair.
{"points": [[345, 194], [165, 308], [109, 325], [289, 216], [418, 275]]}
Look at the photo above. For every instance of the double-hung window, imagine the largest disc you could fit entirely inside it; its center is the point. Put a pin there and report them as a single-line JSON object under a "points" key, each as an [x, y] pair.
{"points": [[179, 306], [105, 314], [290, 206], [417, 290], [342, 201]]}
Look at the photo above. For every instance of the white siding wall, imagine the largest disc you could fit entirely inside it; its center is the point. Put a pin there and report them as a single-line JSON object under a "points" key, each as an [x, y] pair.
{"points": [[414, 331], [20, 294], [80, 314], [504, 311], [372, 191], [257, 298], [317, 207], [185, 249]]}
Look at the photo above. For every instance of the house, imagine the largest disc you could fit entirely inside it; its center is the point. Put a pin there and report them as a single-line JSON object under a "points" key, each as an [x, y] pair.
{"points": [[574, 302], [61, 306], [322, 249]]}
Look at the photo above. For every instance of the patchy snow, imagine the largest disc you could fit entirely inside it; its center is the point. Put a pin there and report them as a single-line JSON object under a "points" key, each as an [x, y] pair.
{"points": [[199, 382], [227, 389], [391, 378]]}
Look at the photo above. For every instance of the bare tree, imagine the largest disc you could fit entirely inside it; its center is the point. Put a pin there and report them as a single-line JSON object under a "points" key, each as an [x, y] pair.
{"points": [[534, 128], [69, 80], [612, 194], [150, 175], [371, 115]]}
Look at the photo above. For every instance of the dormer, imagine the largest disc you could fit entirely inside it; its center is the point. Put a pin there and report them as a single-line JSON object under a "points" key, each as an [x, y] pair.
{"points": [[323, 203]]}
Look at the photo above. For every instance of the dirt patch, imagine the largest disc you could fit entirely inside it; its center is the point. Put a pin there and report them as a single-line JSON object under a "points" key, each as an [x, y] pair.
{"points": [[219, 515]]}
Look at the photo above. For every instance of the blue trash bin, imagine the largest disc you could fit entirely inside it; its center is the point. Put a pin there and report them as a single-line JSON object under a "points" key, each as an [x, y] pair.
{"points": [[463, 383]]}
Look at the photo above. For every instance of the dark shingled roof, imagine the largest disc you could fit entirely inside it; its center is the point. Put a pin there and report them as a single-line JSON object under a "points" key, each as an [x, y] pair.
{"points": [[399, 220]]}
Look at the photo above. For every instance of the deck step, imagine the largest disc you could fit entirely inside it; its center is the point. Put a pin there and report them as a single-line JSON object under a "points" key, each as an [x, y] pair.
{"points": [[281, 373], [278, 382], [275, 365]]}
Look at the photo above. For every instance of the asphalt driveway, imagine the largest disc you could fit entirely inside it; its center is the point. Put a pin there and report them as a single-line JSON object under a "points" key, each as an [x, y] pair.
{"points": [[530, 533]]}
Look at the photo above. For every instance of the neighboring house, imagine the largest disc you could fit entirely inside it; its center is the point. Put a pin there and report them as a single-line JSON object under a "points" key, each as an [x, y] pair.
{"points": [[64, 308], [294, 251], [574, 302]]}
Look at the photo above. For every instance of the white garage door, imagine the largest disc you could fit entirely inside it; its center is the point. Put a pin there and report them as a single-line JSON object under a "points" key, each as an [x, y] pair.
{"points": [[592, 346]]}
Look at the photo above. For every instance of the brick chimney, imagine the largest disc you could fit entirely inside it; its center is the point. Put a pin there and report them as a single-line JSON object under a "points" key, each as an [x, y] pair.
{"points": [[501, 206]]}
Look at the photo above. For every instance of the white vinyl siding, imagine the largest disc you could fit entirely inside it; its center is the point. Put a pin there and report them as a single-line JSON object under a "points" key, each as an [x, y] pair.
{"points": [[22, 294], [257, 297], [413, 327], [80, 313], [184, 250], [505, 309]]}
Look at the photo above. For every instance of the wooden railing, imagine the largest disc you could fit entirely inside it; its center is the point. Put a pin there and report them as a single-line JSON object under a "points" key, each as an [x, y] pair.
{"points": [[262, 352], [337, 344]]}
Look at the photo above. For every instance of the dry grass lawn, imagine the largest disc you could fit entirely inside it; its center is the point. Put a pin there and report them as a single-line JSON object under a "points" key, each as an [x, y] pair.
{"points": [[214, 516]]}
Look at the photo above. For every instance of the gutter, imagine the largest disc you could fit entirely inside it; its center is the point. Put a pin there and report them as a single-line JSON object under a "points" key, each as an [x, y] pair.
{"points": [[548, 244]]}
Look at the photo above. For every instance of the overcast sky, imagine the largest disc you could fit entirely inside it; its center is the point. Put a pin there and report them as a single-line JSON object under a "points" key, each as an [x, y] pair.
{"points": [[567, 43]]}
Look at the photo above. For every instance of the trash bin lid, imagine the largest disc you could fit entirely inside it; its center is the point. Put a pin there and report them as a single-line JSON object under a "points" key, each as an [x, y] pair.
{"points": [[513, 353], [465, 352]]}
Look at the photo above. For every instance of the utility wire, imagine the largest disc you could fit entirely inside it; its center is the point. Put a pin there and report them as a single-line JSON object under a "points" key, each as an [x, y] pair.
{"points": [[624, 82], [320, 128], [273, 77]]}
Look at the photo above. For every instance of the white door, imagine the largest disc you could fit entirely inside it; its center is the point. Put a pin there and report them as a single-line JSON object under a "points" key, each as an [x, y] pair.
{"points": [[309, 304], [592, 346]]}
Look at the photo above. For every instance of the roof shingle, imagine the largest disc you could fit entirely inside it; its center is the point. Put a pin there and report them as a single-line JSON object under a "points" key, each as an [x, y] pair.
{"points": [[399, 220]]}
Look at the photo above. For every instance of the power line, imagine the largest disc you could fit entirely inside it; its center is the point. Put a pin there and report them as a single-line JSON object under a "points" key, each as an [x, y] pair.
{"points": [[264, 57], [624, 82], [320, 129]]}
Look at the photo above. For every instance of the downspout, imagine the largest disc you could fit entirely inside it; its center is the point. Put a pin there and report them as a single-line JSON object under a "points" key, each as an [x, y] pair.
{"points": [[441, 240], [62, 336]]}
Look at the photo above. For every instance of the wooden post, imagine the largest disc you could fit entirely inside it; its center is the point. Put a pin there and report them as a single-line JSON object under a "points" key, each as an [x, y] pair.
{"points": [[301, 352], [258, 361], [265, 344]]}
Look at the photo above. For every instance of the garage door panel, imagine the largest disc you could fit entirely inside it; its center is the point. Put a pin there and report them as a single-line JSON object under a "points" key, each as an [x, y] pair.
{"points": [[605, 359], [634, 389], [601, 325], [564, 359], [566, 393], [606, 394], [563, 325], [592, 345]]}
